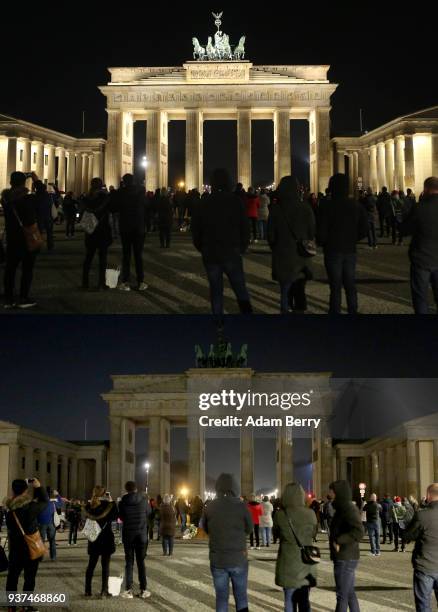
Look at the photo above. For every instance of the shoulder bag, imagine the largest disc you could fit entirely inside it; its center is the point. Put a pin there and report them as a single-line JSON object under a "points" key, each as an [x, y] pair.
{"points": [[35, 544], [305, 248], [310, 555], [32, 235]]}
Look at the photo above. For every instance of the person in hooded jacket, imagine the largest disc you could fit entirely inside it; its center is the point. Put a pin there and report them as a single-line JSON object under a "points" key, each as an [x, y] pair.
{"points": [[97, 202], [27, 502], [167, 525], [220, 231], [291, 573], [399, 513], [252, 205], [266, 521], [133, 511], [228, 523], [256, 511], [290, 222], [104, 511], [130, 202], [17, 202], [346, 532], [342, 222]]}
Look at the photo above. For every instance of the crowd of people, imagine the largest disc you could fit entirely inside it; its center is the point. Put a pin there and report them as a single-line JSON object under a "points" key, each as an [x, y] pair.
{"points": [[223, 223], [229, 521]]}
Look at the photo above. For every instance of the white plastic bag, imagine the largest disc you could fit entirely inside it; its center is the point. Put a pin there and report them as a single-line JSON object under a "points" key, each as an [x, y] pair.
{"points": [[115, 585], [89, 222], [112, 277], [91, 530]]}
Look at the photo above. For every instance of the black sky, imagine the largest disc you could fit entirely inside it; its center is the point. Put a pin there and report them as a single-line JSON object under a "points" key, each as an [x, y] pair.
{"points": [[53, 58]]}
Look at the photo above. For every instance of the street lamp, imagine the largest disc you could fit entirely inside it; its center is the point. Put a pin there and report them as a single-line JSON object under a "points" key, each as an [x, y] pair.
{"points": [[146, 467]]}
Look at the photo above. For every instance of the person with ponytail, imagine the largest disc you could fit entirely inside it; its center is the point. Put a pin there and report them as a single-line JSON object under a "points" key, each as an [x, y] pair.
{"points": [[104, 511]]}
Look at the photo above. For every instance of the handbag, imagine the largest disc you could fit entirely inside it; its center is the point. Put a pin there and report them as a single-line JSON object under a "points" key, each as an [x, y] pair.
{"points": [[91, 530], [32, 235], [310, 555], [56, 518], [305, 248], [89, 222], [34, 541]]}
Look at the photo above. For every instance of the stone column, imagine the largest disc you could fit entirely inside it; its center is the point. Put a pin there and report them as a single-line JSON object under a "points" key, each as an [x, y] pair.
{"points": [[71, 171], [374, 472], [196, 460], [340, 162], [74, 478], [390, 470], [412, 468], [78, 174], [434, 154], [355, 170], [435, 460], [389, 164], [246, 461], [97, 164], [342, 466], [27, 155], [85, 185], [42, 472], [350, 174], [328, 458], [422, 159], [61, 169], [51, 164], [364, 167], [399, 165], [244, 174], [98, 474], [39, 167], [64, 488], [11, 160], [14, 462], [194, 149], [282, 146], [284, 457], [159, 456], [373, 168], [320, 152], [381, 168], [29, 464], [54, 471], [113, 155], [115, 456], [382, 474], [409, 164]]}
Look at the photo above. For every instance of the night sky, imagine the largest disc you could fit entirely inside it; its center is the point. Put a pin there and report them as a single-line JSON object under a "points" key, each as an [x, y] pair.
{"points": [[55, 56], [53, 369]]}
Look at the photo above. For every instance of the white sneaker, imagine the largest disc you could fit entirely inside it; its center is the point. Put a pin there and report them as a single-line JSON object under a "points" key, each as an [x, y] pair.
{"points": [[142, 287], [127, 595], [251, 548], [124, 287], [258, 548], [145, 594]]}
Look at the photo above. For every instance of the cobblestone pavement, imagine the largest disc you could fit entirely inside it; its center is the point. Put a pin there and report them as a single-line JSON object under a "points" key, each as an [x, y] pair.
{"points": [[178, 284], [184, 583]]}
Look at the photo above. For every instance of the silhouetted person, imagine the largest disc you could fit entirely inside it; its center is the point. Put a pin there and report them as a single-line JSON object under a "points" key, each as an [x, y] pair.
{"points": [[70, 209], [44, 204], [342, 222], [165, 217], [220, 231]]}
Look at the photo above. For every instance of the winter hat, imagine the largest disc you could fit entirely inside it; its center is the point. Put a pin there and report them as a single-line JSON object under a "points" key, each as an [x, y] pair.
{"points": [[397, 500]]}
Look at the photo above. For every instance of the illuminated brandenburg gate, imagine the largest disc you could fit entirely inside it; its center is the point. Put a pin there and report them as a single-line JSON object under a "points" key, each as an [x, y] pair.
{"points": [[216, 90]]}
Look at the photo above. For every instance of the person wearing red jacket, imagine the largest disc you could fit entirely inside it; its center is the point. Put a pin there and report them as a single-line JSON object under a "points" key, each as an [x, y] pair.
{"points": [[256, 511], [252, 204]]}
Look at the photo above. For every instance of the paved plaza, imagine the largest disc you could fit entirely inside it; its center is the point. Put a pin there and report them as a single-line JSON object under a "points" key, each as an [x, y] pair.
{"points": [[184, 583], [178, 284]]}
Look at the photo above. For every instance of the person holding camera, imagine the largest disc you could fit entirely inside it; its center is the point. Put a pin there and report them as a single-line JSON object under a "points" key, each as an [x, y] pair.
{"points": [[28, 500]]}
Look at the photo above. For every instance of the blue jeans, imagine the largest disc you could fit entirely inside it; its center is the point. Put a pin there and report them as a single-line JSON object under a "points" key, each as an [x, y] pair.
{"points": [[297, 599], [374, 535], [167, 544], [48, 532], [183, 522], [372, 240], [234, 271], [266, 535], [341, 272], [262, 228], [420, 280], [239, 581], [424, 584], [344, 578]]}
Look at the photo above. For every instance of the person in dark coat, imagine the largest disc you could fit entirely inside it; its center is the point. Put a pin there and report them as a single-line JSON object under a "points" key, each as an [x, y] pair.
{"points": [[130, 203], [195, 510], [70, 208], [44, 203], [220, 231], [291, 573], [73, 515], [290, 222], [384, 210], [167, 525], [346, 532], [342, 222], [17, 202], [423, 530], [228, 522], [97, 202], [164, 218], [27, 501], [133, 511], [422, 225], [104, 511], [386, 517]]}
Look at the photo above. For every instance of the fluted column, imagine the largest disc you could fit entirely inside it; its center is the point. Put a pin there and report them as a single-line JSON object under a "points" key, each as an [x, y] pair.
{"points": [[116, 460], [411, 468], [11, 161], [422, 159], [340, 162], [409, 163], [39, 166], [63, 485], [194, 149], [246, 461], [244, 174], [71, 171], [355, 170], [113, 156], [435, 460], [27, 155], [97, 164], [54, 470], [364, 167], [434, 154], [381, 168], [320, 150], [42, 472], [78, 174], [374, 472], [85, 186], [350, 174], [74, 478], [389, 164], [196, 460], [282, 146], [399, 165], [382, 474], [50, 163], [61, 169], [373, 168], [14, 462], [285, 466], [159, 457]]}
